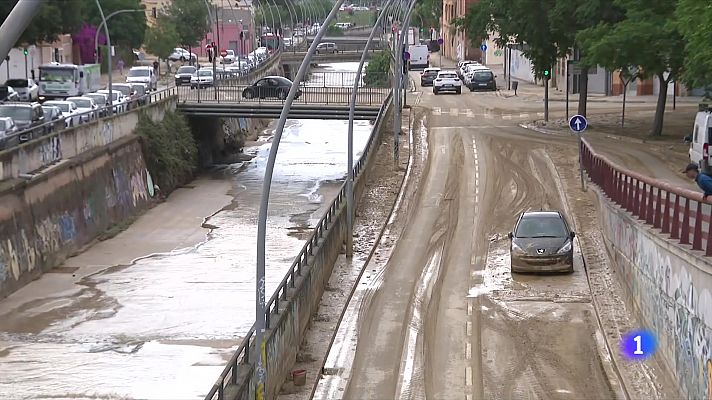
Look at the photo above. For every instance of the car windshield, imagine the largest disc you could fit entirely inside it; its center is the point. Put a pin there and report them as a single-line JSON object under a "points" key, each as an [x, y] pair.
{"points": [[186, 70], [482, 75], [48, 110], [537, 227], [125, 90], [62, 106], [81, 103], [16, 113], [98, 99], [133, 73], [205, 72], [430, 73], [4, 125], [17, 83], [56, 74]]}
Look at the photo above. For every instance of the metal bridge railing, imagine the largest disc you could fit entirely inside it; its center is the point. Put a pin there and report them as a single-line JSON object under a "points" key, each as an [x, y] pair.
{"points": [[678, 213], [280, 296]]}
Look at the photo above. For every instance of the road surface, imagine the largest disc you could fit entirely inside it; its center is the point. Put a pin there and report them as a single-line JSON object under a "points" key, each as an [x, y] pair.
{"points": [[448, 319]]}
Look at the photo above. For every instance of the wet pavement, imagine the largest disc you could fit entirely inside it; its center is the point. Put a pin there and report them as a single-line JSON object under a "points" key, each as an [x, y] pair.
{"points": [[164, 326]]}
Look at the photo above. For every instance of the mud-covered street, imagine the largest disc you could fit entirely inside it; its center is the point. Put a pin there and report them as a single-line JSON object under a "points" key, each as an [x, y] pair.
{"points": [[444, 317]]}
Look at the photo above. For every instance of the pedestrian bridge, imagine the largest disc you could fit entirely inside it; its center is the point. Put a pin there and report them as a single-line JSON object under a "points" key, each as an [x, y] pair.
{"points": [[342, 56], [325, 95]]}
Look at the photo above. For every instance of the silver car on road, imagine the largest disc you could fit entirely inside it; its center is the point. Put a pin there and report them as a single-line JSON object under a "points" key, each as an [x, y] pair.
{"points": [[542, 242]]}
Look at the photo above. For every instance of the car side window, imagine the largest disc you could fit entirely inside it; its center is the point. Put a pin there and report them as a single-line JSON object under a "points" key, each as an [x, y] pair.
{"points": [[262, 82]]}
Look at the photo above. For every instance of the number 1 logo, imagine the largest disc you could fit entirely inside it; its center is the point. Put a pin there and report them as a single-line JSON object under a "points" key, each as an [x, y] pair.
{"points": [[638, 345]]}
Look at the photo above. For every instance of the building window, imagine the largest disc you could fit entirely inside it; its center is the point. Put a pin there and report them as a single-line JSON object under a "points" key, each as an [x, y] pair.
{"points": [[154, 12]]}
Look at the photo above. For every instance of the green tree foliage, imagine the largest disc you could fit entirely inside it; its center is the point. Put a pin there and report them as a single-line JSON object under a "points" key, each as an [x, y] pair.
{"points": [[378, 70], [648, 38], [547, 28], [126, 29], [161, 39], [695, 24], [169, 149], [426, 14], [54, 17], [189, 17]]}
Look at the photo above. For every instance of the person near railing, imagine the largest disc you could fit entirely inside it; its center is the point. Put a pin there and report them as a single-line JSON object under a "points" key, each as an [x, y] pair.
{"points": [[704, 181]]}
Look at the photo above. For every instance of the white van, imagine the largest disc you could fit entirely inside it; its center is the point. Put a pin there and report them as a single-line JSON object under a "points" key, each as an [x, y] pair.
{"points": [[701, 139], [145, 75], [419, 56]]}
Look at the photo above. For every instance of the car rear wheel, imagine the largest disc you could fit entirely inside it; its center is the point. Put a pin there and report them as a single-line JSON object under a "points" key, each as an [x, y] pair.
{"points": [[248, 94], [282, 95], [435, 91], [459, 90]]}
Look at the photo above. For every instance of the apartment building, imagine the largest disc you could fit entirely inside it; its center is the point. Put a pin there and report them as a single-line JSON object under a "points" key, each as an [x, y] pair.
{"points": [[456, 44]]}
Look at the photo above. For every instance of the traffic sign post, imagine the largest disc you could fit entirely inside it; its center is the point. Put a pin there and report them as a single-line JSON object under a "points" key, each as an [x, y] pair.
{"points": [[223, 53], [578, 124], [440, 44]]}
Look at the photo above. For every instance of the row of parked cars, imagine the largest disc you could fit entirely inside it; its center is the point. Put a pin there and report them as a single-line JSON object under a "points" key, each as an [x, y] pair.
{"points": [[24, 121], [471, 74], [230, 67]]}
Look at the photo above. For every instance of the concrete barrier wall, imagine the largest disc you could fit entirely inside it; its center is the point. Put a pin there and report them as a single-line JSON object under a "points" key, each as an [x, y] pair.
{"points": [[42, 152], [671, 288], [47, 219], [290, 325]]}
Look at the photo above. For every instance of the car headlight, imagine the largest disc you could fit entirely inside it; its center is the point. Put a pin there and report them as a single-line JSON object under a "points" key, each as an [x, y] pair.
{"points": [[517, 249], [565, 248]]}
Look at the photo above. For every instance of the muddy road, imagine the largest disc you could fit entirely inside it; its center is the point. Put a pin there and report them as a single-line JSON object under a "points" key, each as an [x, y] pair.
{"points": [[447, 319]]}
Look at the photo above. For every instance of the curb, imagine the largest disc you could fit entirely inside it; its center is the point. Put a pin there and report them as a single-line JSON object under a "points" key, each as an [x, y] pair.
{"points": [[540, 130]]}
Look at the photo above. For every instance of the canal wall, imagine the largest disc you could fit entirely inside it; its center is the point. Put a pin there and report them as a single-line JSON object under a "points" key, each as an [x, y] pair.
{"points": [[63, 190], [47, 219], [670, 287]]}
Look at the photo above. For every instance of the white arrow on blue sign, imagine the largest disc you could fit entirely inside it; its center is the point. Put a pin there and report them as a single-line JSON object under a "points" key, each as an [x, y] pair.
{"points": [[578, 123], [483, 47]]}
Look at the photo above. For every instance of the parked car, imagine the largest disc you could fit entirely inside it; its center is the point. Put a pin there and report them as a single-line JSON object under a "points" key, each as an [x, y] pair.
{"points": [[7, 93], [327, 48], [542, 242], [101, 100], [180, 54], [118, 101], [229, 57], [86, 107], [27, 89], [140, 91], [8, 133], [143, 75], [701, 140], [69, 111], [482, 79], [202, 78], [53, 116], [184, 74], [29, 119], [447, 81], [428, 76], [270, 87]]}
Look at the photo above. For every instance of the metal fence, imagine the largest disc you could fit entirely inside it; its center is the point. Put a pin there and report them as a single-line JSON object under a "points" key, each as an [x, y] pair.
{"points": [[242, 354], [679, 213], [60, 143], [320, 88], [57, 126]]}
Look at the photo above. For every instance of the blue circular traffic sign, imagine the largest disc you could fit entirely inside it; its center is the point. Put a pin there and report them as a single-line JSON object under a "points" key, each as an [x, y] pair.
{"points": [[483, 47], [441, 41], [578, 123], [406, 55]]}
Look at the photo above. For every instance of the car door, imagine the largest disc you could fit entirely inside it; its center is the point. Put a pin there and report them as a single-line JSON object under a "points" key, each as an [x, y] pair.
{"points": [[262, 88]]}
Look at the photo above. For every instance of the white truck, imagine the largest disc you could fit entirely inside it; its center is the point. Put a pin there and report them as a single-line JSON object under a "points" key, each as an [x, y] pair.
{"points": [[419, 56], [67, 80]]}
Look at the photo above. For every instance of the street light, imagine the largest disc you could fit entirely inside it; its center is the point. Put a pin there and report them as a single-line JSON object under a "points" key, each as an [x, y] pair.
{"points": [[98, 29], [108, 44]]}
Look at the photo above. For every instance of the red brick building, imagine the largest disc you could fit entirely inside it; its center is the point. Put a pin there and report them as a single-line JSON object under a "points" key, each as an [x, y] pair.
{"points": [[456, 45]]}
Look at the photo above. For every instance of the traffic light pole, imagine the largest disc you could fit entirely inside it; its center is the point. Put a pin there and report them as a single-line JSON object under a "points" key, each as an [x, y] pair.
{"points": [[546, 98]]}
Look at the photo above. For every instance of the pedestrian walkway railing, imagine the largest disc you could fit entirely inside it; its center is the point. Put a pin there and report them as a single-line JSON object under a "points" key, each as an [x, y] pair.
{"points": [[279, 299], [679, 213]]}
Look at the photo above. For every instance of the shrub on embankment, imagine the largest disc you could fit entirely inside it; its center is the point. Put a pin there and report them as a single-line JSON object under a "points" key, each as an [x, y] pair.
{"points": [[378, 70], [169, 149]]}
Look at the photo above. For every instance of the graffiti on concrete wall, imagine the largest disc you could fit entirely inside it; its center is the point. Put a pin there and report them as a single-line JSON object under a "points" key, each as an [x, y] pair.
{"points": [[50, 151], [101, 136], [673, 297]]}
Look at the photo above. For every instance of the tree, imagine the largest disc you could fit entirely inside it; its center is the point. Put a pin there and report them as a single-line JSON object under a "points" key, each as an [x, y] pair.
{"points": [[127, 30], [694, 21], [427, 13], [190, 18], [55, 17], [161, 40], [378, 70], [648, 38]]}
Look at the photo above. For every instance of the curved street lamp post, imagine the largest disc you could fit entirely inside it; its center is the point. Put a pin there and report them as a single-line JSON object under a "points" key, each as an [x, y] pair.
{"points": [[264, 204], [98, 29]]}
